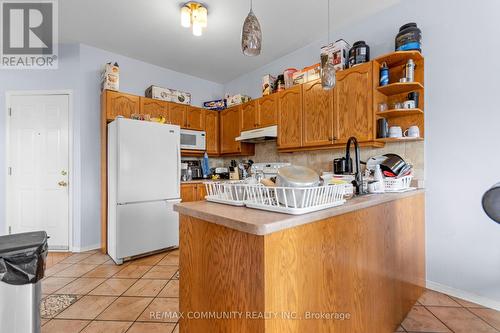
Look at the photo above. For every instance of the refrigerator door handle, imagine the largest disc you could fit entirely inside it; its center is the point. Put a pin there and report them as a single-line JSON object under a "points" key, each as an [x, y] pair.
{"points": [[178, 168]]}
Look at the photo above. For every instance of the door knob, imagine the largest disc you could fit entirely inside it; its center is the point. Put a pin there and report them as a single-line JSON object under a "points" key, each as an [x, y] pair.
{"points": [[62, 183]]}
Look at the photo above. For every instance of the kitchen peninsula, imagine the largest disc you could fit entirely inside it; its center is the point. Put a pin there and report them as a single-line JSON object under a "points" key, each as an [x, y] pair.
{"points": [[359, 267]]}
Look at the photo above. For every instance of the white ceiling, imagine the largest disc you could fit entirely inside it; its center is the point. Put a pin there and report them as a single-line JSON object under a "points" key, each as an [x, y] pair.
{"points": [[150, 30]]}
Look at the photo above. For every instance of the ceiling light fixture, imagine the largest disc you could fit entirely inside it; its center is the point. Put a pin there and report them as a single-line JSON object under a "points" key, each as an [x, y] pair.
{"points": [[195, 15], [251, 35]]}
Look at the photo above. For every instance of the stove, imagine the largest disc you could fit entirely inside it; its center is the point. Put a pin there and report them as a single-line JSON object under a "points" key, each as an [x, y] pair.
{"points": [[268, 170]]}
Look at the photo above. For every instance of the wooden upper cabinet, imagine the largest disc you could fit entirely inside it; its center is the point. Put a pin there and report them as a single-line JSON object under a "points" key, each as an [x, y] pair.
{"points": [[317, 115], [268, 110], [290, 118], [177, 114], [155, 108], [230, 128], [195, 118], [353, 108], [212, 132], [250, 118], [120, 104]]}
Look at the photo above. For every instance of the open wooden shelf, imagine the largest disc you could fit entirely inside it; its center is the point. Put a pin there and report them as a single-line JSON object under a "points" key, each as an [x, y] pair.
{"points": [[400, 113], [399, 88], [399, 57], [405, 139]]}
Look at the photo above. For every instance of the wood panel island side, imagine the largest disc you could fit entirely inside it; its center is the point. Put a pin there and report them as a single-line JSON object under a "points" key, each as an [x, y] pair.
{"points": [[355, 268]]}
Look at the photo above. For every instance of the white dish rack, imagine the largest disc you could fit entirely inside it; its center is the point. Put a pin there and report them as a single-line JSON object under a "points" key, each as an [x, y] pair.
{"points": [[295, 201], [398, 184], [227, 192]]}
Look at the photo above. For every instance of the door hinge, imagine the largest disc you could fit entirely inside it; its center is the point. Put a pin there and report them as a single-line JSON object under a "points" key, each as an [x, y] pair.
{"points": [[10, 112], [10, 171], [10, 230]]}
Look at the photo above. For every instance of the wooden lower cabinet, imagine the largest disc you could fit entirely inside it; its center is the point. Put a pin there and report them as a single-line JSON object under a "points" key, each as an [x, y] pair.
{"points": [[193, 192], [212, 132], [353, 104], [230, 129], [368, 265], [317, 115], [290, 118]]}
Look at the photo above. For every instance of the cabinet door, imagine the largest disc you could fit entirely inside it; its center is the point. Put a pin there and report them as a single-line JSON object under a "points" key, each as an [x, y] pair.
{"points": [[268, 110], [317, 115], [154, 108], [189, 192], [353, 111], [230, 128], [249, 116], [290, 118], [177, 114], [119, 104], [201, 192], [212, 129], [195, 118]]}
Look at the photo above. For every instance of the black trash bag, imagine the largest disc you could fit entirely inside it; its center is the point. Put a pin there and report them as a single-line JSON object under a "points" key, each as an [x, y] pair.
{"points": [[22, 257]]}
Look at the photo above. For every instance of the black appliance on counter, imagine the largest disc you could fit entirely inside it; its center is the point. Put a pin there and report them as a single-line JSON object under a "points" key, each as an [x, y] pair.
{"points": [[195, 166], [341, 166]]}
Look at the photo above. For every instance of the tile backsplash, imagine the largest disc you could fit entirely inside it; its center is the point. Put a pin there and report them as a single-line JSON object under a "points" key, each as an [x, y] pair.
{"points": [[322, 160]]}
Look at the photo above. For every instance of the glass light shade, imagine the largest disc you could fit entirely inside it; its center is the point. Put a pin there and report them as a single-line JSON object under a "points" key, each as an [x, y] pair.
{"points": [[251, 36], [197, 29], [328, 79], [201, 16], [186, 17]]}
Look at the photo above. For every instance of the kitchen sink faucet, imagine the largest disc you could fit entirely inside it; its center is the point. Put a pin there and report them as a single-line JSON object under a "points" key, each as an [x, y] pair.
{"points": [[358, 178]]}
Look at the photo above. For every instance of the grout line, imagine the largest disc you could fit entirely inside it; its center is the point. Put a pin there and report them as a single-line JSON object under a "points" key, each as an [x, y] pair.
{"points": [[481, 318], [435, 316]]}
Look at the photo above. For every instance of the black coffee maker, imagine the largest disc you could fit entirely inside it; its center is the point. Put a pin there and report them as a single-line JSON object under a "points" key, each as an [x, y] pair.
{"points": [[342, 166]]}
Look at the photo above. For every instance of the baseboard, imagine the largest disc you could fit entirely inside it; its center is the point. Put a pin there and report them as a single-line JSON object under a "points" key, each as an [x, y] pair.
{"points": [[465, 295], [86, 248]]}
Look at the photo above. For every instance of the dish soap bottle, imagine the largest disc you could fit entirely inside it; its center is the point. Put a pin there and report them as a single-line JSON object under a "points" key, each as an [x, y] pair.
{"points": [[379, 178]]}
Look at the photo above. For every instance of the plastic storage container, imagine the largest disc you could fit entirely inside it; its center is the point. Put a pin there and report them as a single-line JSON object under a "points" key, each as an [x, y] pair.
{"points": [[22, 266], [359, 53], [409, 38]]}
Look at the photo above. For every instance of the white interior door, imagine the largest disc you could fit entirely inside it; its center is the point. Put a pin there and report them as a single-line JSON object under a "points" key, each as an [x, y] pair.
{"points": [[38, 158]]}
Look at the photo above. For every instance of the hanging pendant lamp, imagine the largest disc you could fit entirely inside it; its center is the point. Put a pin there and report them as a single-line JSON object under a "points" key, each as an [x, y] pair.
{"points": [[251, 35], [328, 71]]}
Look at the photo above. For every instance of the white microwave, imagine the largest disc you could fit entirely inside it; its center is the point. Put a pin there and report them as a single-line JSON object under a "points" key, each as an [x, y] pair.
{"points": [[193, 140]]}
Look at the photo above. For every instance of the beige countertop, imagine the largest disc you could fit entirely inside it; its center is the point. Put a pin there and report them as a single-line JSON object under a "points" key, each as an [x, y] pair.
{"points": [[260, 222]]}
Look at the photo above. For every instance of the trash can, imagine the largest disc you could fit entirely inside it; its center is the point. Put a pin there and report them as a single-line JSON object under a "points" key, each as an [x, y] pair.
{"points": [[22, 266]]}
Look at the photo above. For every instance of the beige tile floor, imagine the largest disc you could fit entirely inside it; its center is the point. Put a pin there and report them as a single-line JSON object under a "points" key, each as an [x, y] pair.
{"points": [[119, 299]]}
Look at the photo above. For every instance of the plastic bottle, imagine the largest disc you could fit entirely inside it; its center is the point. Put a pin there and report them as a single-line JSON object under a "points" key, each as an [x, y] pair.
{"points": [[384, 75], [379, 177]]}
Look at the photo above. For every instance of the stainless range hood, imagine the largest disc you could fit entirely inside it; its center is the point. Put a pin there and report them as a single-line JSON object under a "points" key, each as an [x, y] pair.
{"points": [[259, 135]]}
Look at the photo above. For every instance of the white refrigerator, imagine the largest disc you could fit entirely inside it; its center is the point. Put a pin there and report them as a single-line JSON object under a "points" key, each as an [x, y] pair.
{"points": [[143, 185]]}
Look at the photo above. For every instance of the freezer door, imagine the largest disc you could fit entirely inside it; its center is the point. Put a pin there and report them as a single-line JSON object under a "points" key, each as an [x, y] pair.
{"points": [[145, 227], [148, 161]]}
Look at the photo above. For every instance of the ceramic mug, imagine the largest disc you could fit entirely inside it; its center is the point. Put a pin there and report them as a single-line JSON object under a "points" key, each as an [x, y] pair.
{"points": [[395, 132], [412, 132]]}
